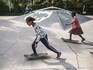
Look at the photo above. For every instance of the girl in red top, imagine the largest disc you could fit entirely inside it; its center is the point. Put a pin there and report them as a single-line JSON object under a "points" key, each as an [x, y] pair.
{"points": [[76, 28]]}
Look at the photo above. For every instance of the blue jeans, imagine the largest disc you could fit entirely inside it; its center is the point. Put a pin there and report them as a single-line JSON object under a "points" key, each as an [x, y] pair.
{"points": [[46, 43]]}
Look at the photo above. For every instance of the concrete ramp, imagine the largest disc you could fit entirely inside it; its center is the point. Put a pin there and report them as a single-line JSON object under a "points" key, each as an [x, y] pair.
{"points": [[16, 38], [53, 15]]}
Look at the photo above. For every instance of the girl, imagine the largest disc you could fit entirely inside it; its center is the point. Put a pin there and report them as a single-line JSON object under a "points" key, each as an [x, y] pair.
{"points": [[40, 36], [76, 28]]}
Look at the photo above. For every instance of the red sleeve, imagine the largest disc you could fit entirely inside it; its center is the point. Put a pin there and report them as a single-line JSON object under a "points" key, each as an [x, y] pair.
{"points": [[72, 21]]}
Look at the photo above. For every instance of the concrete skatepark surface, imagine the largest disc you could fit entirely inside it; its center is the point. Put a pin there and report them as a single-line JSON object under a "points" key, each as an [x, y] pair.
{"points": [[16, 38]]}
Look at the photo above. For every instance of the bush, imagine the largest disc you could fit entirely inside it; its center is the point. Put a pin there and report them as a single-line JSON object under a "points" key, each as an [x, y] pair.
{"points": [[4, 9]]}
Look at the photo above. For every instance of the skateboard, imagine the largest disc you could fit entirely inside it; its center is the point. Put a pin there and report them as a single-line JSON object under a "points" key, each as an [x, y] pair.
{"points": [[70, 41], [39, 55], [91, 53]]}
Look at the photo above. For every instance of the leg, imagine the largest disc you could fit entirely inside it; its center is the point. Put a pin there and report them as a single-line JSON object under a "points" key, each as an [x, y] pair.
{"points": [[70, 36], [33, 47], [46, 37], [82, 38], [45, 42]]}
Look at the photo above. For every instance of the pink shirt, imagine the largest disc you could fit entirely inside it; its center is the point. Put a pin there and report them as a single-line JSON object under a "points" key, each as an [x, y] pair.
{"points": [[74, 22]]}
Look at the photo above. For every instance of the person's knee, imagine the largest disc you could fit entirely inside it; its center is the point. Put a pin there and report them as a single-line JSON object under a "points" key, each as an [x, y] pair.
{"points": [[33, 44]]}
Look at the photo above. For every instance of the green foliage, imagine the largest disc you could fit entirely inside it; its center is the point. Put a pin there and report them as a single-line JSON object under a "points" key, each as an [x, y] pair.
{"points": [[3, 8], [58, 3], [18, 6]]}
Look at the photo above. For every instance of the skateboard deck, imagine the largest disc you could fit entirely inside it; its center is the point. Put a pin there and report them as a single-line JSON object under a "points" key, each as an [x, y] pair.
{"points": [[91, 53], [70, 41], [39, 55]]}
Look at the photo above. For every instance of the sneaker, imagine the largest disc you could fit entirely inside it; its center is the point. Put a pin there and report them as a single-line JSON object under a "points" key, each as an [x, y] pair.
{"points": [[58, 54], [70, 40], [83, 39], [34, 54]]}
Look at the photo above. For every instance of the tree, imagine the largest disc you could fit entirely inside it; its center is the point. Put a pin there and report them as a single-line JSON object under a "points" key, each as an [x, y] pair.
{"points": [[3, 8]]}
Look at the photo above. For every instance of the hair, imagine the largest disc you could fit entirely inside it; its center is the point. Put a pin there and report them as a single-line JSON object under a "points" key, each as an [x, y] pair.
{"points": [[73, 13], [28, 19]]}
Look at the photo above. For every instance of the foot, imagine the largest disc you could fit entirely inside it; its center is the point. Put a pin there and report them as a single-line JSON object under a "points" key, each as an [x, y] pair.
{"points": [[83, 39], [34, 54], [58, 54], [91, 53]]}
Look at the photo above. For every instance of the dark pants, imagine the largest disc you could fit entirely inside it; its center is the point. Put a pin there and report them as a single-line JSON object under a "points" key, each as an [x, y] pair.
{"points": [[46, 43]]}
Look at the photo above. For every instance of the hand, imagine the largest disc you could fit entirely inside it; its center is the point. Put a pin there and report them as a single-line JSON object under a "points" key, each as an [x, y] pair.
{"points": [[67, 24], [35, 45]]}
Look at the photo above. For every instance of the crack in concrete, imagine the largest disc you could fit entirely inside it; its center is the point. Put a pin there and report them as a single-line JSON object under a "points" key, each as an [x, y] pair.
{"points": [[10, 47], [72, 51], [76, 55], [13, 43]]}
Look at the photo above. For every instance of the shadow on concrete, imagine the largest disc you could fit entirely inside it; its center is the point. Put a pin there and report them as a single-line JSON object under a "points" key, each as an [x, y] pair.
{"points": [[62, 61], [89, 43], [40, 58]]}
